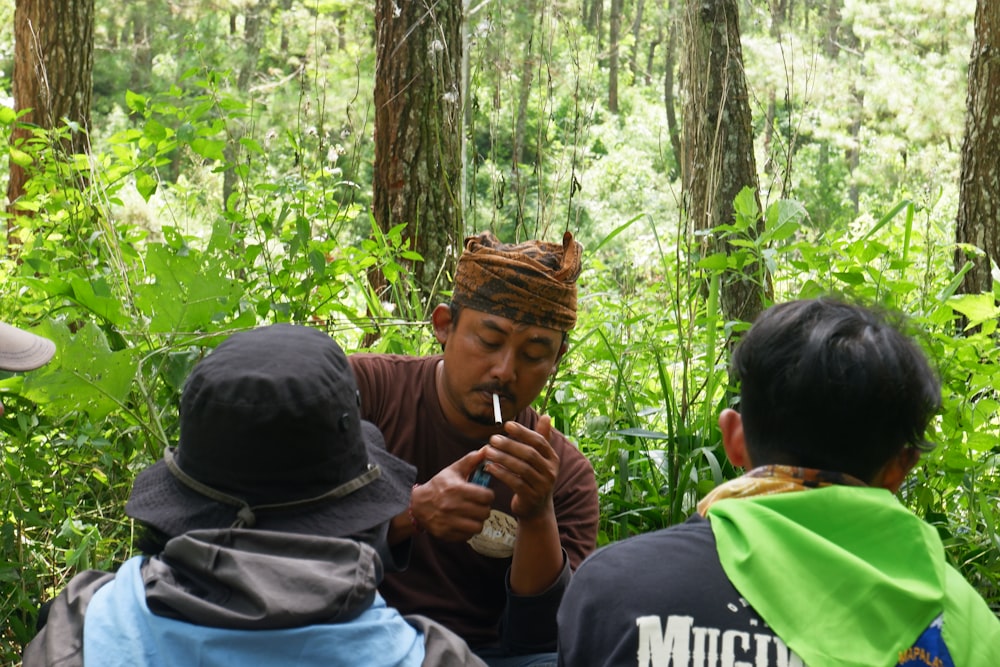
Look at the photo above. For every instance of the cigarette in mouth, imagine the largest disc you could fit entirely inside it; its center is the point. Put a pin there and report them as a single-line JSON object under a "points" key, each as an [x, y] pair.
{"points": [[497, 417]]}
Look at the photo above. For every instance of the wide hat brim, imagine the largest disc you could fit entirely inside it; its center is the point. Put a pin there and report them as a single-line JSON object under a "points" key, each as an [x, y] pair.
{"points": [[22, 350], [159, 499]]}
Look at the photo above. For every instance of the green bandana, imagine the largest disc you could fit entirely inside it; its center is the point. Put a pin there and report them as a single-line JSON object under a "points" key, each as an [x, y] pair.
{"points": [[846, 576]]}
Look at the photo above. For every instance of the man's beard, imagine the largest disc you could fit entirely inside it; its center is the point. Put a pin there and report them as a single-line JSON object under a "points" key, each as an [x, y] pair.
{"points": [[481, 419]]}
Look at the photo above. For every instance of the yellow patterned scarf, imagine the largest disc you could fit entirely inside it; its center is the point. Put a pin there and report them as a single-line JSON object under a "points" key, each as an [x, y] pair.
{"points": [[768, 480]]}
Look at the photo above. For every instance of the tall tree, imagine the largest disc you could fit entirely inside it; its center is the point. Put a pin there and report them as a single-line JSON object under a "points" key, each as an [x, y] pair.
{"points": [[640, 6], [616, 24], [418, 130], [978, 222], [53, 75], [718, 153], [842, 41], [780, 153], [524, 18], [593, 15], [669, 99], [255, 18]]}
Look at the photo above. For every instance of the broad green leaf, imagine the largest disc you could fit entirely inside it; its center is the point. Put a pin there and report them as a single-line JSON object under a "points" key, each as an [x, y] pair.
{"points": [[84, 374], [20, 158], [977, 308], [186, 132], [145, 185], [252, 145], [188, 294], [642, 433], [96, 296], [318, 261], [714, 262], [155, 131], [850, 277], [135, 102], [745, 205], [211, 149], [980, 442]]}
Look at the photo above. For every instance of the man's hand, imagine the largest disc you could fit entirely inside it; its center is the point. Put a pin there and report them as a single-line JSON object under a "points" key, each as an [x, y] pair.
{"points": [[448, 505], [525, 461]]}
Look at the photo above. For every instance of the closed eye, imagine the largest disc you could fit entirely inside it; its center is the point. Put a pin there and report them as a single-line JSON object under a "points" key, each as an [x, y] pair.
{"points": [[489, 344]]}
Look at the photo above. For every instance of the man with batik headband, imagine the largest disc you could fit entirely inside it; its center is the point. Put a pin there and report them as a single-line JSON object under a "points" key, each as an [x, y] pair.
{"points": [[808, 558], [263, 530], [505, 507]]}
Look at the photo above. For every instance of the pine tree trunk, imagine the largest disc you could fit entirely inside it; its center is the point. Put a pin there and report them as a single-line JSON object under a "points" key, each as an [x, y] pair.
{"points": [[669, 97], [718, 152], [640, 6], [616, 25], [53, 76], [978, 221], [418, 133]]}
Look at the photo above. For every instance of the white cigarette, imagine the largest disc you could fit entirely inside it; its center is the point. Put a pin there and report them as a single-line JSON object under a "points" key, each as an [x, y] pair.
{"points": [[497, 417]]}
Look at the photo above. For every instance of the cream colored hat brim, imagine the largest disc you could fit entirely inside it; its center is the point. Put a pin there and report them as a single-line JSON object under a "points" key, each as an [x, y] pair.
{"points": [[23, 351]]}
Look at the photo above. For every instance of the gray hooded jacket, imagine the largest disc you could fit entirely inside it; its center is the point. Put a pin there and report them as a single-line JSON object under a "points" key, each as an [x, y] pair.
{"points": [[244, 579]]}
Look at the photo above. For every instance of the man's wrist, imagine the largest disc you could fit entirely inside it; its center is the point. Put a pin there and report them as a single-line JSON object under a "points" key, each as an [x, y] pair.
{"points": [[544, 516], [414, 522]]}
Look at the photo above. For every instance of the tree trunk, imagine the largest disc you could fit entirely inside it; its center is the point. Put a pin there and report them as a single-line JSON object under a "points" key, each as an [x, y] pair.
{"points": [[978, 221], [778, 153], [418, 132], [842, 39], [616, 26], [647, 76], [834, 22], [528, 11], [769, 120], [142, 55], [636, 32], [673, 127], [853, 152], [524, 97], [253, 40], [53, 76], [594, 19], [525, 19], [718, 159]]}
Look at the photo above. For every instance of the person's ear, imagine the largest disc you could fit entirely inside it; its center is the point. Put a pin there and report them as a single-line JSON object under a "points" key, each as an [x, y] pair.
{"points": [[442, 320], [893, 473], [731, 426]]}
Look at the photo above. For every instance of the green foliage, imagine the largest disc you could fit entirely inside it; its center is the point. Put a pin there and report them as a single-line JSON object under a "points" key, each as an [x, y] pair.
{"points": [[224, 193], [132, 309]]}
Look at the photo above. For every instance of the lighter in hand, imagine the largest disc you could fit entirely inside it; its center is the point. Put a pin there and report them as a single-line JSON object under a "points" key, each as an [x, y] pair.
{"points": [[479, 475]]}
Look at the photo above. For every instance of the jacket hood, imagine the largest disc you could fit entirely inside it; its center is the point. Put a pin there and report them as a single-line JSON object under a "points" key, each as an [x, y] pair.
{"points": [[247, 578]]}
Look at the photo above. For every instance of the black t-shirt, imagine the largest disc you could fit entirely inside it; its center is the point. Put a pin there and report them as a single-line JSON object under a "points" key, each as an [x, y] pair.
{"points": [[660, 599]]}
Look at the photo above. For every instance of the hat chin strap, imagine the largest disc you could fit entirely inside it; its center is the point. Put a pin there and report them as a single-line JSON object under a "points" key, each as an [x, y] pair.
{"points": [[246, 516]]}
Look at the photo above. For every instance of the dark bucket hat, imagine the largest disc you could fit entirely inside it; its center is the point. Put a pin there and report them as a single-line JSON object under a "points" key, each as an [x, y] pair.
{"points": [[271, 437]]}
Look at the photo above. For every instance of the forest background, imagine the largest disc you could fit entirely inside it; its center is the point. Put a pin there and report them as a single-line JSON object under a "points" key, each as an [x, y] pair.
{"points": [[230, 178]]}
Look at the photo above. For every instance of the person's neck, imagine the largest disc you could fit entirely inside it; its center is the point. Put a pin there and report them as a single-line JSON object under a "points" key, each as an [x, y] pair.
{"points": [[772, 479]]}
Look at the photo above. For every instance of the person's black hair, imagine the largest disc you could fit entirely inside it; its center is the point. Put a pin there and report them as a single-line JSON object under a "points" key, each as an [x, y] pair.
{"points": [[832, 385]]}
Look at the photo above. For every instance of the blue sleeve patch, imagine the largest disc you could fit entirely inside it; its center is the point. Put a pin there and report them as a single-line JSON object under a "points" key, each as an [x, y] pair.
{"points": [[929, 649]]}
